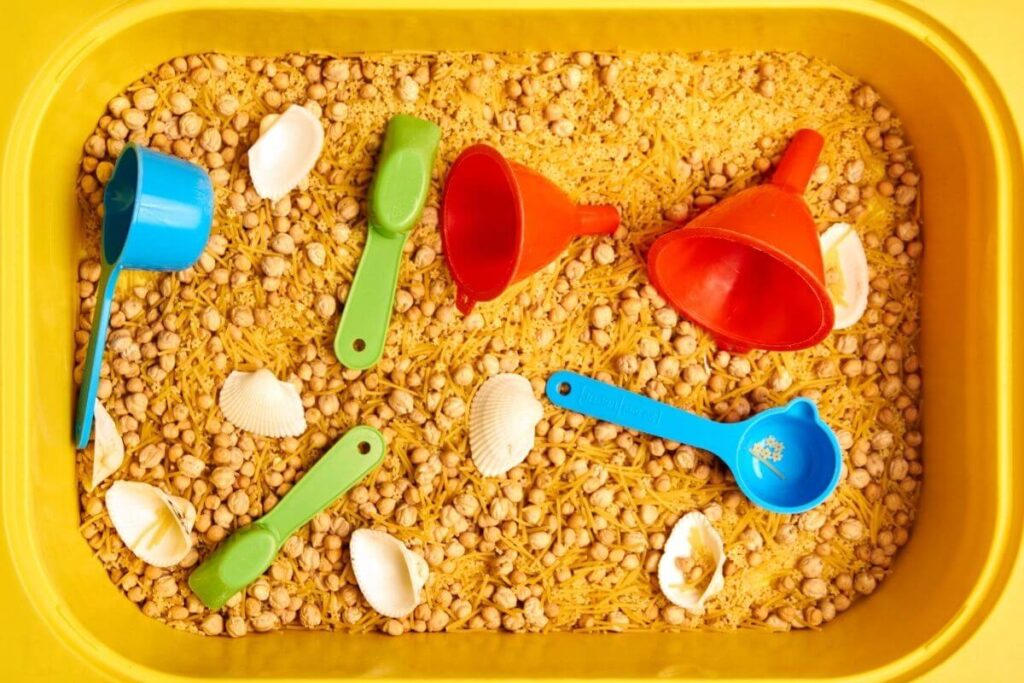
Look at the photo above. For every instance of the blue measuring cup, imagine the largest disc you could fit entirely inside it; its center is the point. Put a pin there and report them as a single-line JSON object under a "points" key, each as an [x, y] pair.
{"points": [[785, 459], [157, 212]]}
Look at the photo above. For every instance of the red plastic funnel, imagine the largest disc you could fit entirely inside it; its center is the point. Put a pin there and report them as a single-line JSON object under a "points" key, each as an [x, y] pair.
{"points": [[501, 222], [750, 269]]}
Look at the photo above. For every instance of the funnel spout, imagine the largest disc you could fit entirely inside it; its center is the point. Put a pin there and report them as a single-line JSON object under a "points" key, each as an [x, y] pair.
{"points": [[464, 302], [798, 161], [601, 219]]}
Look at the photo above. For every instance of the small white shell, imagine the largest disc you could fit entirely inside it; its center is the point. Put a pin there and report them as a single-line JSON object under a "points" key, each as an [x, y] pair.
{"points": [[107, 447], [846, 273], [285, 152], [693, 535], [260, 403], [153, 525], [502, 422], [390, 576], [267, 121]]}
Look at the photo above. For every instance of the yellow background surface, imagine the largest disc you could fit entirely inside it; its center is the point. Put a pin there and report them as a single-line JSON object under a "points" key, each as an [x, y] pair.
{"points": [[992, 28]]}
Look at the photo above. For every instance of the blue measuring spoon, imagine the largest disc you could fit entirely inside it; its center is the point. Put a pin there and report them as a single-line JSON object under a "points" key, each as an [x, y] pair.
{"points": [[785, 459], [157, 213]]}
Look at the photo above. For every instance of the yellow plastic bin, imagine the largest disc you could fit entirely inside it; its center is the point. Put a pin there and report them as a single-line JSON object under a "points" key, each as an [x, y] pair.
{"points": [[945, 581]]}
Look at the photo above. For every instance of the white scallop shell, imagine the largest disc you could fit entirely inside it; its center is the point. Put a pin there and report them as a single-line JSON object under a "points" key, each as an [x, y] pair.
{"points": [[285, 152], [502, 422], [107, 447], [693, 533], [153, 525], [260, 403], [846, 273], [390, 576]]}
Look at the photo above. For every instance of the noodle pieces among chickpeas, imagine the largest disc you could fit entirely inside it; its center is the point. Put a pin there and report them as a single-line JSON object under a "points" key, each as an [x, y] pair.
{"points": [[571, 537]]}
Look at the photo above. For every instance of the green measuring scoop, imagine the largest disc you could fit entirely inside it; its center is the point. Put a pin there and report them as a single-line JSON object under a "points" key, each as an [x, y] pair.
{"points": [[397, 197], [245, 555]]}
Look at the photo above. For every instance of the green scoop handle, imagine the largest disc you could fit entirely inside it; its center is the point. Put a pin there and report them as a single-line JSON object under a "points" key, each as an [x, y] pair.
{"points": [[397, 197], [242, 557]]}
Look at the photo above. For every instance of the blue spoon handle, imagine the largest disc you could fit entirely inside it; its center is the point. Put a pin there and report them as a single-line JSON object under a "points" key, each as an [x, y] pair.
{"points": [[94, 354], [610, 403]]}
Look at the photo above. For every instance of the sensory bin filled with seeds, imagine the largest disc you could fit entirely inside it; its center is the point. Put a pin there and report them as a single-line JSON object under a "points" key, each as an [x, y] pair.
{"points": [[571, 539]]}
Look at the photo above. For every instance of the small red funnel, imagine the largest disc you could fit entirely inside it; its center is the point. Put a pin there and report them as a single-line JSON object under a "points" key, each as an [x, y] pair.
{"points": [[749, 269], [501, 222]]}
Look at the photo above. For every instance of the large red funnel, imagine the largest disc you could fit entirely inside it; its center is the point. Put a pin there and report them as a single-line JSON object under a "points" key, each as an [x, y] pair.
{"points": [[501, 222], [750, 269]]}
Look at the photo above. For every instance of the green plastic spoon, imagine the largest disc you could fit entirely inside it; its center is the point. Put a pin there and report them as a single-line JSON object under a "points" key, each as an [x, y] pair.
{"points": [[397, 197], [245, 555]]}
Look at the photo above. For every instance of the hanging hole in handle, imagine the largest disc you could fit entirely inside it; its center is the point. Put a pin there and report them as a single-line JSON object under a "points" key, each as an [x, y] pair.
{"points": [[363, 447], [564, 389], [359, 344]]}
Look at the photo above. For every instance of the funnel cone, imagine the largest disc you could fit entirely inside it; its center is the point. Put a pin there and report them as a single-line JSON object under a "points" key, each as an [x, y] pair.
{"points": [[750, 269], [501, 222]]}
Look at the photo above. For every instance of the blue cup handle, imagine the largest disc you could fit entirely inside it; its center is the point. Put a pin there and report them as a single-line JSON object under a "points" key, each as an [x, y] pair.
{"points": [[606, 402], [94, 353]]}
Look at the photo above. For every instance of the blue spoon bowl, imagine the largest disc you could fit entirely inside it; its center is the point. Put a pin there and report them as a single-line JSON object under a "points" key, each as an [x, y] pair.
{"points": [[157, 213], [786, 459]]}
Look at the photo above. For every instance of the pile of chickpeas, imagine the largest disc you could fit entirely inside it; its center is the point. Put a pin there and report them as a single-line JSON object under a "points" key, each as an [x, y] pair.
{"points": [[569, 540]]}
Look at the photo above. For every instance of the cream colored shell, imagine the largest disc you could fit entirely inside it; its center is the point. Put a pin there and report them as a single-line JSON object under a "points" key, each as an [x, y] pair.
{"points": [[846, 273], [390, 576], [260, 403], [502, 423], [285, 152], [107, 447], [156, 527], [692, 537]]}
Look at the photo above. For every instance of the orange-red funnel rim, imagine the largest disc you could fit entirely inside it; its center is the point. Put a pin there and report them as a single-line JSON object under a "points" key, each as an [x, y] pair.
{"points": [[733, 338], [468, 295]]}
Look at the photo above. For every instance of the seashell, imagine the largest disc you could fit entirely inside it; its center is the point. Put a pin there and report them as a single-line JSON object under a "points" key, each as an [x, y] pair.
{"points": [[285, 152], [693, 548], [107, 447], [390, 576], [267, 121], [260, 403], [502, 422], [846, 273], [153, 525]]}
